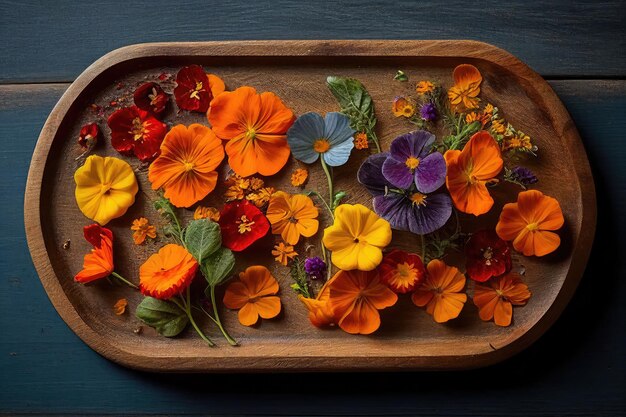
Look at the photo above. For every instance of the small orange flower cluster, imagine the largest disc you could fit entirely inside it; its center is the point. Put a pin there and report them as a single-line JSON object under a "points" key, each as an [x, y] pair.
{"points": [[252, 189]]}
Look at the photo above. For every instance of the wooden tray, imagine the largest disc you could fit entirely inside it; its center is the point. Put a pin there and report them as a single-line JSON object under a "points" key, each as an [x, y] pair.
{"points": [[296, 71]]}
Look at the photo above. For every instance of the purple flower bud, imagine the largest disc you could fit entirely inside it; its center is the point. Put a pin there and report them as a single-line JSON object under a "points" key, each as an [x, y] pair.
{"points": [[428, 112], [315, 267], [523, 175]]}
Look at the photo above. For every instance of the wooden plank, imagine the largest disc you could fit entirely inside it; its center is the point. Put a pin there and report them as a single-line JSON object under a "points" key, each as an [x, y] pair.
{"points": [[56, 41], [568, 372]]}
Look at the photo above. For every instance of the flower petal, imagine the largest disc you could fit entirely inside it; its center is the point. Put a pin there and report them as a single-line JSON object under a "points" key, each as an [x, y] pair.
{"points": [[370, 174], [307, 128], [430, 173], [397, 173], [338, 154]]}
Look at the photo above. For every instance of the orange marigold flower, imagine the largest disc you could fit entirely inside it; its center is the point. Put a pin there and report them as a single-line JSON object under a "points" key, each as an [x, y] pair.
{"points": [[360, 141], [495, 299], [210, 213], [355, 298], [168, 272], [441, 291], [292, 216], [99, 262], [256, 183], [403, 107], [424, 87], [530, 222], [320, 311], [254, 295], [463, 94], [255, 126], [186, 168], [299, 177], [401, 270], [483, 118], [261, 197], [120, 307], [283, 253], [233, 193], [488, 109], [142, 229], [469, 172], [519, 141], [499, 126], [238, 181]]}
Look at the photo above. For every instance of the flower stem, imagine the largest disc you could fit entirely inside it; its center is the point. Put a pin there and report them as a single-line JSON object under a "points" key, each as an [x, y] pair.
{"points": [[217, 320], [330, 180], [124, 280], [193, 322], [330, 211]]}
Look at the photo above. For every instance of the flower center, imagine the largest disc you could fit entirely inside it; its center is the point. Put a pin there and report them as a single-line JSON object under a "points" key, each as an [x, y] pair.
{"points": [[412, 162], [153, 97], [250, 133], [405, 272], [321, 145], [418, 199], [105, 188], [245, 225], [188, 166], [532, 227], [488, 254], [139, 129], [194, 93]]}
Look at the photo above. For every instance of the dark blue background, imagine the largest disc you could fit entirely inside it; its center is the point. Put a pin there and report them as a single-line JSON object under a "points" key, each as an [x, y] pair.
{"points": [[576, 368]]}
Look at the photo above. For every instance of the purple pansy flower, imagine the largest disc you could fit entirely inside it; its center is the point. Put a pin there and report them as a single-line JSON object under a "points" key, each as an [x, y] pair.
{"points": [[410, 161], [428, 112], [315, 267]]}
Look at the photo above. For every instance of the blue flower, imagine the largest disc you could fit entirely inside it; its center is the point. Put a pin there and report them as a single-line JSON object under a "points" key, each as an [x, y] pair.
{"points": [[311, 136]]}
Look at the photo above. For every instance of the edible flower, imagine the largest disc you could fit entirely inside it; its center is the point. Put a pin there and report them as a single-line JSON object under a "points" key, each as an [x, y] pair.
{"points": [[424, 87], [299, 177], [255, 126], [463, 94], [283, 253], [210, 213], [441, 292], [195, 89], [242, 224], [486, 256], [530, 223], [330, 138], [292, 216], [428, 112], [261, 197], [320, 311], [105, 188], [496, 298], [119, 308], [186, 168], [254, 295], [135, 131], [403, 107], [315, 267], [401, 271], [168, 272], [142, 229], [151, 98], [356, 238], [521, 176], [355, 298], [98, 263], [89, 135], [469, 172]]}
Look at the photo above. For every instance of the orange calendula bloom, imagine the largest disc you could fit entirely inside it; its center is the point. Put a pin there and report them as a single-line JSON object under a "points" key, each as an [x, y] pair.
{"points": [[403, 107], [210, 213], [441, 291], [424, 87], [255, 126], [99, 262], [254, 295], [496, 298], [299, 177], [292, 216], [186, 168], [256, 183], [469, 172], [142, 229], [320, 311], [463, 94], [360, 141], [168, 272], [530, 222], [283, 253], [120, 307], [355, 298], [261, 197]]}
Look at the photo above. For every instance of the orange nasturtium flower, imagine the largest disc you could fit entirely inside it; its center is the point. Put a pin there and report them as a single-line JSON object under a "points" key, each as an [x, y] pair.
{"points": [[168, 272], [210, 213], [355, 298], [292, 216], [441, 292], [495, 299], [469, 172], [141, 229], [463, 95], [530, 222], [105, 188], [320, 311], [255, 126], [186, 168], [254, 295], [99, 262]]}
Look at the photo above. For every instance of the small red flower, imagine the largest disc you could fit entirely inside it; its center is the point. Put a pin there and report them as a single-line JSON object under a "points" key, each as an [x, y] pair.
{"points": [[195, 89], [151, 98], [135, 131], [242, 224], [402, 271], [89, 135], [487, 256]]}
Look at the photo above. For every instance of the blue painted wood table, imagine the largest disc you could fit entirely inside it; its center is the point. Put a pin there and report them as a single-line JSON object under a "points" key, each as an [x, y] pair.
{"points": [[576, 368]]}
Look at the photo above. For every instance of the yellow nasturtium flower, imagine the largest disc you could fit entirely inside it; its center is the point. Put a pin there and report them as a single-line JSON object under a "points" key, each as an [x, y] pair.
{"points": [[357, 238], [105, 188]]}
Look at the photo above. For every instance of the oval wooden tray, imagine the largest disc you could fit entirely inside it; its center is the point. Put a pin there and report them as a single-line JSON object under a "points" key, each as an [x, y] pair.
{"points": [[296, 71]]}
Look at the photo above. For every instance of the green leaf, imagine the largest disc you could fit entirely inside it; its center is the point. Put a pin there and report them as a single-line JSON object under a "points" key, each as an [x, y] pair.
{"points": [[338, 197], [202, 238], [218, 266], [166, 317], [401, 76]]}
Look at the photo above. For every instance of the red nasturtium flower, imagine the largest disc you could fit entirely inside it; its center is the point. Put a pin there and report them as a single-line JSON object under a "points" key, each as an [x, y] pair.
{"points": [[486, 256], [151, 98], [135, 131], [401, 271], [99, 262], [242, 224], [195, 89], [89, 135]]}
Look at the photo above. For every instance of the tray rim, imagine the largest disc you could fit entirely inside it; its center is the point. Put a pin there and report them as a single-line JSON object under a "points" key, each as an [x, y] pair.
{"points": [[558, 115]]}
